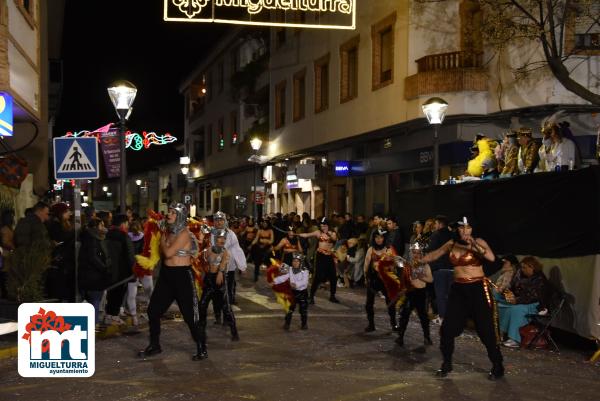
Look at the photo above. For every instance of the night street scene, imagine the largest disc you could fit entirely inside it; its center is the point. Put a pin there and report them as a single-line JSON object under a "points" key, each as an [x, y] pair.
{"points": [[295, 200]]}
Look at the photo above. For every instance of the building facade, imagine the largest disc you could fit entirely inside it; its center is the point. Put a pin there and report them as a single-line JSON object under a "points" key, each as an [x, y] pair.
{"points": [[24, 79], [346, 130]]}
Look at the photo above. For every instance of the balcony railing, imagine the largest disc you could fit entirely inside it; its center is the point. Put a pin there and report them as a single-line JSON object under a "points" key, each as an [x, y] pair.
{"points": [[449, 61]]}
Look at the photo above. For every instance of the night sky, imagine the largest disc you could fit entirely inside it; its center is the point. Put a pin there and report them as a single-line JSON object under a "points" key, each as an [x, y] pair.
{"points": [[106, 40]]}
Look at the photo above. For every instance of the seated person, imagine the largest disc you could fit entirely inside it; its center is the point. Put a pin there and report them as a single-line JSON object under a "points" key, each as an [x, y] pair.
{"points": [[525, 296], [509, 265]]}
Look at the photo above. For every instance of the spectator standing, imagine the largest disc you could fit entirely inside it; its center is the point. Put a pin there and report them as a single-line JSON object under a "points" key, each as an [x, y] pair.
{"points": [[120, 250], [441, 268], [94, 266], [32, 228], [142, 276], [7, 244], [394, 235], [346, 229], [60, 280]]}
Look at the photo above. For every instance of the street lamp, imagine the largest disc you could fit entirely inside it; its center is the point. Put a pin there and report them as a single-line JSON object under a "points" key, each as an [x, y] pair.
{"points": [[435, 111], [184, 161], [255, 143], [122, 94], [138, 182]]}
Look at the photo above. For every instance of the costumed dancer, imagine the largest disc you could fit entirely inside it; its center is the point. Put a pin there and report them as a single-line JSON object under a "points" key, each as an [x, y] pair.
{"points": [[215, 284], [485, 151], [470, 296], [237, 259], [325, 268], [289, 245], [528, 157], [376, 254], [297, 276], [416, 296], [176, 281]]}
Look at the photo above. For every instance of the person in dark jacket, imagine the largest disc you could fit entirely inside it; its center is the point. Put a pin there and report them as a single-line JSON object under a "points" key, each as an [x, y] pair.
{"points": [[394, 236], [442, 269], [31, 228], [122, 257], [94, 264], [60, 278], [346, 230]]}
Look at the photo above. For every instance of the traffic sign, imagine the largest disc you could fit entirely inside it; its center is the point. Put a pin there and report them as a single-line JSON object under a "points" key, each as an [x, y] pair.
{"points": [[75, 158]]}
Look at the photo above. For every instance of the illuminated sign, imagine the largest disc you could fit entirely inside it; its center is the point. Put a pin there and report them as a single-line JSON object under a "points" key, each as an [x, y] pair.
{"points": [[6, 114], [330, 14], [345, 168], [133, 140]]}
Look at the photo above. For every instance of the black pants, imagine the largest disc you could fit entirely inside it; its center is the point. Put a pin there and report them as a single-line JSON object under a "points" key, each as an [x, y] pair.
{"points": [[114, 299], [218, 295], [260, 255], [300, 299], [376, 285], [174, 284], [469, 301], [231, 285], [324, 271], [415, 299]]}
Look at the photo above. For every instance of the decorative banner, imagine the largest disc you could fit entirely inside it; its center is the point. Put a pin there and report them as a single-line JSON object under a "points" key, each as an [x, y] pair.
{"points": [[6, 114], [111, 152], [330, 14], [133, 140]]}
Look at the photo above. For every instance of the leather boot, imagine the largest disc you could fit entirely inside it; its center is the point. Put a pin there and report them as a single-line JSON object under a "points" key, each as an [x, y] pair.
{"points": [[444, 369], [497, 372], [152, 349], [288, 321], [201, 352]]}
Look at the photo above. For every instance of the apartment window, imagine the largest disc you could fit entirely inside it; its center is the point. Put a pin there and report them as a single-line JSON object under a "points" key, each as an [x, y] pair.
{"points": [[221, 77], [234, 127], [322, 84], [280, 38], [209, 134], [221, 128], [280, 104], [198, 151], [27, 8], [349, 70], [299, 95], [209, 86], [382, 36]]}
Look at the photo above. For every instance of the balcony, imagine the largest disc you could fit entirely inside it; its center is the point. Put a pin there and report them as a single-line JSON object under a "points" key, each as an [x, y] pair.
{"points": [[447, 72]]}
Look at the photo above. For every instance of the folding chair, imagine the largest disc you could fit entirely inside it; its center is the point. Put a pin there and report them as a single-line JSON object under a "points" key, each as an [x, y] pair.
{"points": [[543, 322]]}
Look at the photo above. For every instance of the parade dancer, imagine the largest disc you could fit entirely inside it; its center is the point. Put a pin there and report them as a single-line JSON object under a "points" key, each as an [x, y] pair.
{"points": [[376, 253], [237, 259], [176, 281], [416, 296], [215, 284], [470, 297], [324, 261], [289, 246], [297, 275]]}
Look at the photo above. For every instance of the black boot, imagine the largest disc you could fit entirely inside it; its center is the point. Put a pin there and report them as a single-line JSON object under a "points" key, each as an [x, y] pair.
{"points": [[217, 320], [402, 325], [152, 349], [444, 369], [497, 372], [426, 335], [371, 326], [201, 352], [235, 336], [304, 323], [333, 299], [288, 321]]}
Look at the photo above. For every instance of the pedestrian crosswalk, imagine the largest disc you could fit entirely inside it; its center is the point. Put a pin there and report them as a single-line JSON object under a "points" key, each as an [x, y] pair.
{"points": [[251, 299]]}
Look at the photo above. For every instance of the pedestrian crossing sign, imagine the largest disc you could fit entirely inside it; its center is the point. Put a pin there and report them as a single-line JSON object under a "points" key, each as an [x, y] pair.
{"points": [[75, 158]]}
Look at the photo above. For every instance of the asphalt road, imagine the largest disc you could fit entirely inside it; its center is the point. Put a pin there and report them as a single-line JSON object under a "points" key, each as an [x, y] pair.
{"points": [[333, 360]]}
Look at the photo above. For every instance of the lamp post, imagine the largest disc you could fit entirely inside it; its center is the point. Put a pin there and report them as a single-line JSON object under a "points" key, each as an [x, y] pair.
{"points": [[138, 182], [255, 143], [122, 94], [435, 111]]}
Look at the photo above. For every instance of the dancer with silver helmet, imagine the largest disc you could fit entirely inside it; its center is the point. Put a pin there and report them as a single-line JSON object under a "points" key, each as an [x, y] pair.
{"points": [[176, 281], [416, 297], [237, 259], [297, 275], [215, 284]]}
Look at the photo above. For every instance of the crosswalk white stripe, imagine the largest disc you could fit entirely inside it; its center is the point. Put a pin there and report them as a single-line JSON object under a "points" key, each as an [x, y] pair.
{"points": [[262, 300]]}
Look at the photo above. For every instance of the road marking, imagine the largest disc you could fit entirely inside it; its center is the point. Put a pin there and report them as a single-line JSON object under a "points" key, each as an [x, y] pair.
{"points": [[323, 304], [262, 300], [310, 316]]}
